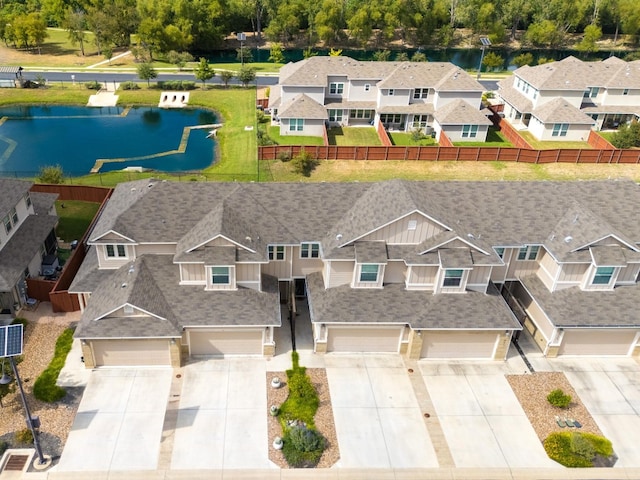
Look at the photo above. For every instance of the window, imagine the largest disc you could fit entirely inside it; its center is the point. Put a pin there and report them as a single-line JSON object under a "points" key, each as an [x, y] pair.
{"points": [[220, 275], [114, 251], [452, 278], [420, 121], [309, 250], [420, 93], [128, 309], [592, 92], [14, 216], [528, 252], [336, 88], [625, 91], [296, 124], [367, 87], [369, 273], [500, 251], [413, 225], [27, 199], [535, 94], [335, 115], [360, 114], [7, 224], [560, 129], [387, 118], [469, 131], [276, 253], [603, 276], [391, 92]]}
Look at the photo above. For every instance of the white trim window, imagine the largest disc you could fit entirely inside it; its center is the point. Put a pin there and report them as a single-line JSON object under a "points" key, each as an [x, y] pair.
{"points": [[309, 250], [390, 118], [560, 129], [276, 252], [420, 121], [27, 199], [7, 224], [499, 251], [369, 273], [625, 91], [421, 93], [336, 88], [335, 115], [360, 113], [528, 252], [452, 278], [392, 92], [469, 131], [603, 276], [116, 251], [14, 216], [296, 124], [220, 276], [367, 87]]}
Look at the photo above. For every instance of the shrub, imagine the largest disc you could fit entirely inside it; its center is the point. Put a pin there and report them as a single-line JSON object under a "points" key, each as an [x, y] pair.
{"points": [[24, 436], [264, 138], [3, 447], [129, 86], [45, 387], [303, 163], [627, 136], [51, 174], [21, 320], [303, 446], [176, 85], [262, 118], [559, 399], [575, 449], [284, 156], [93, 85]]}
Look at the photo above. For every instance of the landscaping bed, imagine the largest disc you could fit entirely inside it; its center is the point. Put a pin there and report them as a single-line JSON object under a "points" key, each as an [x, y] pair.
{"points": [[323, 418]]}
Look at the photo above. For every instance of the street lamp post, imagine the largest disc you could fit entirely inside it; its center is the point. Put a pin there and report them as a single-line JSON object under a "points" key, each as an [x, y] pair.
{"points": [[485, 43], [242, 37]]}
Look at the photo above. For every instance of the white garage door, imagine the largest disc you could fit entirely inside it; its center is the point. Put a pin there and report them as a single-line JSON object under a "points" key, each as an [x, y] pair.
{"points": [[596, 342], [363, 339], [112, 353], [225, 342], [458, 344]]}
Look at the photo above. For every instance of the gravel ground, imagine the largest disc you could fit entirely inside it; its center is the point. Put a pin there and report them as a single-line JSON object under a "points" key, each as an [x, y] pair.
{"points": [[532, 390], [323, 419], [56, 419]]}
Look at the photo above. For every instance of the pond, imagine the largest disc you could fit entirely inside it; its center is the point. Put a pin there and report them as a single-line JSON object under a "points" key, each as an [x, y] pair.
{"points": [[76, 138]]}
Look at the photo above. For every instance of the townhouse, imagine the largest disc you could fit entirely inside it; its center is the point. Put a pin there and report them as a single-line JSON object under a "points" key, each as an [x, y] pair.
{"points": [[402, 96], [422, 269], [564, 100]]}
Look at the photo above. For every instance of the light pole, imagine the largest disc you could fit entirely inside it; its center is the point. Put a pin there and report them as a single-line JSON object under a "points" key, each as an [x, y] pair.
{"points": [[485, 43], [242, 37]]}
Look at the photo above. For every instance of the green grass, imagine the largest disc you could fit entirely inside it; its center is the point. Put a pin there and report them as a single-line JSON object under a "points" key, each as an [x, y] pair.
{"points": [[259, 67], [607, 135], [494, 139], [75, 217], [551, 144], [274, 133], [406, 140], [45, 388], [353, 136]]}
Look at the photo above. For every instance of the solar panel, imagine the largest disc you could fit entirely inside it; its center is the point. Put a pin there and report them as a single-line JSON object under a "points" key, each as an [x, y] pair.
{"points": [[11, 340], [485, 41]]}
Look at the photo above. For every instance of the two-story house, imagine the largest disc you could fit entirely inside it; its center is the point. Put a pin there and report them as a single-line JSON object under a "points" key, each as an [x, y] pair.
{"points": [[26, 237], [564, 100], [415, 268], [403, 96]]}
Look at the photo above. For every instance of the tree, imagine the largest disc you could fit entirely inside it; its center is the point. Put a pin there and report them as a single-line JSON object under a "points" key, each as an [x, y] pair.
{"points": [[179, 59], [544, 34], [418, 57], [107, 52], [592, 33], [523, 59], [276, 54], [335, 52], [627, 136], [402, 57], [226, 76], [203, 71], [246, 75], [493, 61], [51, 174], [75, 23], [382, 55], [147, 72], [244, 55]]}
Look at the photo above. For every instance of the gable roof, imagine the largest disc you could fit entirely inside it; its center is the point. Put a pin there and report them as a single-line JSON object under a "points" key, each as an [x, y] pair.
{"points": [[303, 106], [459, 112], [11, 191], [559, 110]]}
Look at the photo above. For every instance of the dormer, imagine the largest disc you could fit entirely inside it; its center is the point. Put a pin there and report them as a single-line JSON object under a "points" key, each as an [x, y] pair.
{"points": [[606, 262], [371, 259], [114, 250]]}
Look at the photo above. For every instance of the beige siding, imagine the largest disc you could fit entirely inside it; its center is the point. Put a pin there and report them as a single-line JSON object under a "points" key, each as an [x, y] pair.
{"points": [[280, 269], [423, 276], [571, 274], [547, 270], [340, 273], [398, 232], [395, 272], [217, 286], [156, 248], [479, 278], [191, 273], [301, 267], [499, 274], [521, 268], [247, 272], [534, 312], [629, 274]]}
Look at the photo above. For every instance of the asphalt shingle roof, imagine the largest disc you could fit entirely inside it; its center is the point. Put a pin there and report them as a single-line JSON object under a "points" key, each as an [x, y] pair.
{"points": [[11, 191], [559, 110], [303, 106], [460, 112]]}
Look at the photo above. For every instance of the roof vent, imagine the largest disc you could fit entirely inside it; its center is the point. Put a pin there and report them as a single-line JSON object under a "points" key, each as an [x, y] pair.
{"points": [[339, 237], [133, 189], [124, 285], [568, 239], [131, 269], [471, 235], [575, 219], [248, 238]]}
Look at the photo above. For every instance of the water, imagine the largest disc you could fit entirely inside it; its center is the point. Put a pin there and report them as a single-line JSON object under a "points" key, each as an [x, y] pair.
{"points": [[75, 137]]}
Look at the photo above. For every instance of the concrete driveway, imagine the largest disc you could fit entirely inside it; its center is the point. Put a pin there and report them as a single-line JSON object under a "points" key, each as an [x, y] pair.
{"points": [[482, 420], [378, 422], [119, 421]]}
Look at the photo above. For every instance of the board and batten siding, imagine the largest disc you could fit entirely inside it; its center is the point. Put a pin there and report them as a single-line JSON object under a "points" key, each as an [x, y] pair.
{"points": [[521, 268], [534, 312], [628, 274], [192, 274], [478, 278], [301, 267], [571, 275], [248, 275], [395, 272], [281, 269], [114, 262], [422, 277], [398, 232], [340, 273], [156, 249], [548, 270]]}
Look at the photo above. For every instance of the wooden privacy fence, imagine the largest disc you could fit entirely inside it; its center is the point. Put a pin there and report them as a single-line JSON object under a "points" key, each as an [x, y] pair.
{"points": [[73, 192]]}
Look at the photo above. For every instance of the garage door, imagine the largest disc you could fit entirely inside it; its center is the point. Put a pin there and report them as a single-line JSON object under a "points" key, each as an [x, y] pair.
{"points": [[363, 339], [225, 342], [117, 353], [458, 344], [596, 342]]}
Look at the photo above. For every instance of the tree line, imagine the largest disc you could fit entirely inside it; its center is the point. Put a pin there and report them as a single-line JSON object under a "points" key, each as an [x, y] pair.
{"points": [[162, 26]]}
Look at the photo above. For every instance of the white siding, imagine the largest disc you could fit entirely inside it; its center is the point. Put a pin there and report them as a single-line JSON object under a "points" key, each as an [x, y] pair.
{"points": [[454, 132], [399, 97], [440, 99], [398, 232]]}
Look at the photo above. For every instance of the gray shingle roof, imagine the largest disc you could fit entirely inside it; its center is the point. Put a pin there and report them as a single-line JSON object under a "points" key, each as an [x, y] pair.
{"points": [[303, 106], [88, 277], [559, 110], [414, 108], [513, 97], [371, 252], [314, 71], [460, 112], [608, 256], [11, 191], [420, 309], [42, 202]]}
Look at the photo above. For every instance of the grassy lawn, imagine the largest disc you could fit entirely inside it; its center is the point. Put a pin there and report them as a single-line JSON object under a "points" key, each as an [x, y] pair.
{"points": [[353, 136], [75, 217], [551, 144], [607, 135], [274, 133], [494, 139], [406, 140]]}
